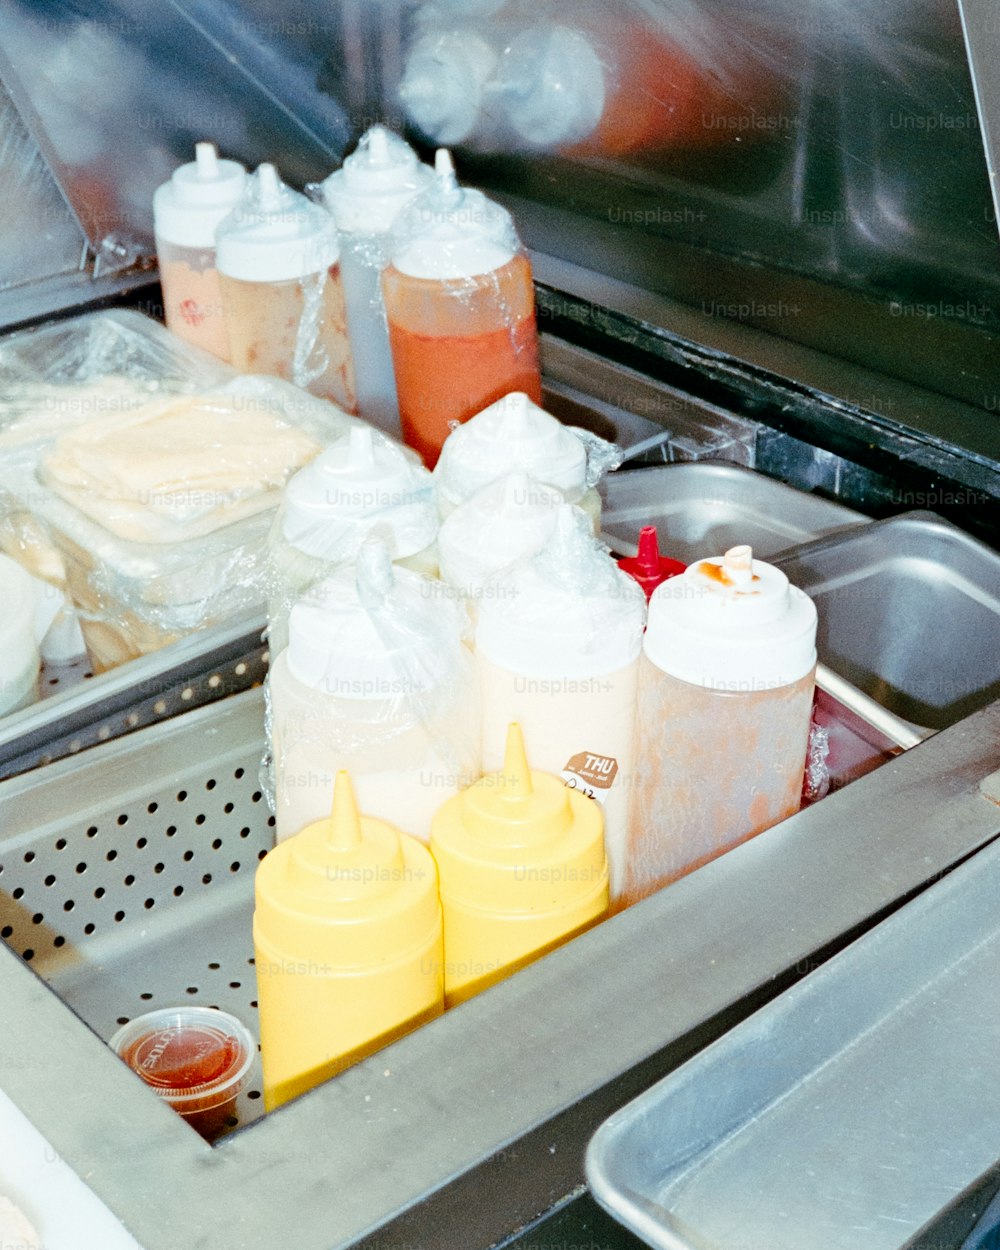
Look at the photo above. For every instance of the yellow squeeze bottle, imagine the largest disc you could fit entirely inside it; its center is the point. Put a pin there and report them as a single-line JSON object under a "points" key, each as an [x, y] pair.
{"points": [[522, 868], [347, 939]]}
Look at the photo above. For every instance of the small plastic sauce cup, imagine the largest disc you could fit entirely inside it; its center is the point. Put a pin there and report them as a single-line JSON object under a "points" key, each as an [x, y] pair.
{"points": [[198, 1059]]}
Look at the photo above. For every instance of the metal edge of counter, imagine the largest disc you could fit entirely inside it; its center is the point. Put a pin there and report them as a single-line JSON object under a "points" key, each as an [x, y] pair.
{"points": [[463, 1132]]}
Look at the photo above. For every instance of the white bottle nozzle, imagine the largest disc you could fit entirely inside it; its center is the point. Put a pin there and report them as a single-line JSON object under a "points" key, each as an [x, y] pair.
{"points": [[737, 564], [206, 157], [444, 169], [378, 146], [518, 417], [269, 187], [361, 447], [374, 572]]}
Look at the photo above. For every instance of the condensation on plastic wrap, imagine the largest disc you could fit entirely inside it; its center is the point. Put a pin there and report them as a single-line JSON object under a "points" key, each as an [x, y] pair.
{"points": [[151, 485], [816, 779], [377, 679], [363, 482]]}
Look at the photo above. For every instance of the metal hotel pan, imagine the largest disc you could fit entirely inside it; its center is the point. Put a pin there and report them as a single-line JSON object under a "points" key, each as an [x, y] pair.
{"points": [[701, 509], [851, 1113], [909, 613]]}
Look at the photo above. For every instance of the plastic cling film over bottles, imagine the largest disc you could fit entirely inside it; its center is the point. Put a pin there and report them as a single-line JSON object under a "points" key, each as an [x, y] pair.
{"points": [[278, 257], [461, 310], [448, 80], [507, 521], [522, 869], [557, 649], [362, 483], [375, 678], [725, 701], [186, 212], [374, 184], [347, 945], [516, 434]]}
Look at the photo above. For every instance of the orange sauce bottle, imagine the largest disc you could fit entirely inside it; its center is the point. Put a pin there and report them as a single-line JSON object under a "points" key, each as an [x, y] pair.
{"points": [[461, 311]]}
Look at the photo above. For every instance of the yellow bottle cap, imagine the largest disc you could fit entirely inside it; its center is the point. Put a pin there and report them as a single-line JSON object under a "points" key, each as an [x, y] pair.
{"points": [[348, 891], [519, 842]]}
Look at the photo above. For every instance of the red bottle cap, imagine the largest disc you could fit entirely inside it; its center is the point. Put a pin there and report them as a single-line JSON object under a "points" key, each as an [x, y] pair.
{"points": [[647, 566]]}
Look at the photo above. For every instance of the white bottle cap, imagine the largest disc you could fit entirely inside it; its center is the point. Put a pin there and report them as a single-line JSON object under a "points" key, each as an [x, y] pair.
{"points": [[551, 86], [732, 623], [359, 482], [450, 231], [506, 522], [375, 182], [443, 83], [513, 433], [373, 631], [275, 234], [189, 206], [569, 612]]}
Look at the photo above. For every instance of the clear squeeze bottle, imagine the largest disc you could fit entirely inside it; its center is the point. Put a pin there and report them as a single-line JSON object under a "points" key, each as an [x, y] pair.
{"points": [[279, 265], [522, 869], [557, 649], [514, 433], [461, 308], [362, 483], [347, 946], [506, 522], [376, 679], [725, 699], [365, 196], [186, 212]]}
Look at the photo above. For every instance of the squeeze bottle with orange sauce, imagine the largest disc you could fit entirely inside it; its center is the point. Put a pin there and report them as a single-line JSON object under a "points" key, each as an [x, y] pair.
{"points": [[187, 208], [347, 946], [461, 308], [522, 869], [278, 257], [725, 699]]}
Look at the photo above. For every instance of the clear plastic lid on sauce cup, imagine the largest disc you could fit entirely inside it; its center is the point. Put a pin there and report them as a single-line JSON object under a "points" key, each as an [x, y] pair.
{"points": [[198, 1059]]}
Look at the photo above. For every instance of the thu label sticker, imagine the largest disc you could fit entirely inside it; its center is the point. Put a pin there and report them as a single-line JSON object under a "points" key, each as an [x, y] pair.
{"points": [[593, 774]]}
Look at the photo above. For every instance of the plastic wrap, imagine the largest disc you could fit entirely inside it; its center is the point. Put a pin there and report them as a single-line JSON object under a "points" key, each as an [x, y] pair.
{"points": [[460, 304], [514, 434], [816, 779], [557, 649], [277, 254], [506, 522], [376, 679], [203, 513], [361, 483]]}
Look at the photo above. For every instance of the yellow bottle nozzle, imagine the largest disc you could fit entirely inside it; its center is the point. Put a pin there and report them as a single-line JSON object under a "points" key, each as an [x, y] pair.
{"points": [[516, 773], [343, 829]]}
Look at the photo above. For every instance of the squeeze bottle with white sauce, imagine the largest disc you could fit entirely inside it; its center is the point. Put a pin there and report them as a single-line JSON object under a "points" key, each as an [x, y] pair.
{"points": [[360, 483], [522, 869], [347, 945], [557, 649], [186, 211], [725, 700], [376, 679], [365, 196], [514, 433], [461, 308], [507, 521], [278, 258]]}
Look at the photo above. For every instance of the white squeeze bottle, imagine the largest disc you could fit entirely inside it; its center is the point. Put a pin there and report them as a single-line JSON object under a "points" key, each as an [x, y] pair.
{"points": [[557, 649], [187, 208], [374, 183], [514, 434], [509, 520], [278, 257], [361, 483], [725, 701], [375, 679]]}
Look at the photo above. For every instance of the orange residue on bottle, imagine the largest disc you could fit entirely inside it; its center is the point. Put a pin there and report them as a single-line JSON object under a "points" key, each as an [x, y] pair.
{"points": [[458, 345]]}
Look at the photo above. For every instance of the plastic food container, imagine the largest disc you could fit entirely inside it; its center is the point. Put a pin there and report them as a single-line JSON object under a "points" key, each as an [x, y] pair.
{"points": [[197, 1059]]}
